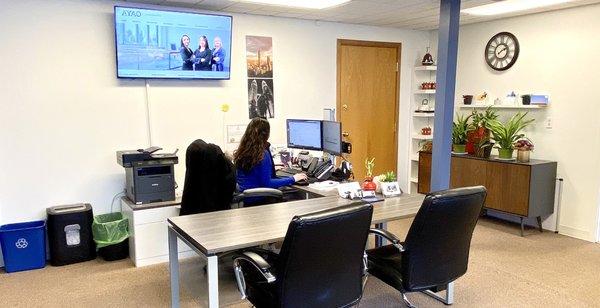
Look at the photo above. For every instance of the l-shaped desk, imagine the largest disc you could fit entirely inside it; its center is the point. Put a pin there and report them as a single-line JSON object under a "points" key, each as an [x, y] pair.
{"points": [[209, 234]]}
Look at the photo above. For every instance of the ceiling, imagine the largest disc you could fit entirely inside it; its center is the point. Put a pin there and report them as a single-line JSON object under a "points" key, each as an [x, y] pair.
{"points": [[408, 14]]}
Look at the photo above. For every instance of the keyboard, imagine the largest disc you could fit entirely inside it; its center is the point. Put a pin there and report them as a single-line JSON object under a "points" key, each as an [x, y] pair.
{"points": [[289, 170]]}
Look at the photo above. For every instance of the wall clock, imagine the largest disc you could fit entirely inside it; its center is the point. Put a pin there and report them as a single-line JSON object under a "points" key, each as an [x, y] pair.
{"points": [[502, 51]]}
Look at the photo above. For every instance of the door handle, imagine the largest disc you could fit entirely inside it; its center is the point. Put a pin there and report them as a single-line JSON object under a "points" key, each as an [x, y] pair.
{"points": [[345, 106], [345, 134]]}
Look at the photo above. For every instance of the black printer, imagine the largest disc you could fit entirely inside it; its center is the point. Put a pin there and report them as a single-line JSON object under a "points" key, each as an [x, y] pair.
{"points": [[149, 176]]}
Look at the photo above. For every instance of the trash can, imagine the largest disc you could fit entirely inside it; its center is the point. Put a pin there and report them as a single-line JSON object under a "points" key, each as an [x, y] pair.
{"points": [[111, 234], [70, 234], [23, 245]]}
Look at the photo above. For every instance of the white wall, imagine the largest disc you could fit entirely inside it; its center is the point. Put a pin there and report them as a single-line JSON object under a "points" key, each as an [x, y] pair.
{"points": [[64, 113], [557, 56]]}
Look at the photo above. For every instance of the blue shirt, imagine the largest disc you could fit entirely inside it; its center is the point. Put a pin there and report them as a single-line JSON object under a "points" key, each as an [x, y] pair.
{"points": [[261, 175]]}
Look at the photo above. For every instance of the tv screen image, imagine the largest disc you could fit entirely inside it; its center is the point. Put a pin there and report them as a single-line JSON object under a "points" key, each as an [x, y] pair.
{"points": [[167, 44]]}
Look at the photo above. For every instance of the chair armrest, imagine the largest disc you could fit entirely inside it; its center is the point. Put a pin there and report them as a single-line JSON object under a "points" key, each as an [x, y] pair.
{"points": [[255, 260], [262, 192], [258, 262], [388, 236]]}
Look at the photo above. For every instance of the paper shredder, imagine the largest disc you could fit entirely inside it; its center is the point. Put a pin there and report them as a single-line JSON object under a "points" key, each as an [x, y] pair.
{"points": [[70, 236]]}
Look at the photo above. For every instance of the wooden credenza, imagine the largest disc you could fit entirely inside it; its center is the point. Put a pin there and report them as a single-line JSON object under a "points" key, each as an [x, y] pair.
{"points": [[522, 189]]}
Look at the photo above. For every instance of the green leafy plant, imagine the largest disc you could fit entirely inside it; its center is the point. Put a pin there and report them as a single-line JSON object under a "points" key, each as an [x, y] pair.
{"points": [[506, 134], [484, 147], [389, 176], [483, 119], [459, 129], [370, 164]]}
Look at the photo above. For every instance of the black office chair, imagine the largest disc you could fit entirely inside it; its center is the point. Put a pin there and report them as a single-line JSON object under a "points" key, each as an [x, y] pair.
{"points": [[436, 250], [320, 264], [210, 181]]}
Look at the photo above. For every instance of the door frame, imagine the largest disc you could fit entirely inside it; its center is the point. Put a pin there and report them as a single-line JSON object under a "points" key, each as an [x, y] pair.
{"points": [[398, 47]]}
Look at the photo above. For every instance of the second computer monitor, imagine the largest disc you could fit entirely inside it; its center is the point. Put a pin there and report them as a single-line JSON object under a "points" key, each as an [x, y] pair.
{"points": [[332, 137], [304, 134]]}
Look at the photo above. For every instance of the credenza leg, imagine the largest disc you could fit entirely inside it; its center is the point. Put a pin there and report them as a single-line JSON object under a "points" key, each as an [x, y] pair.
{"points": [[522, 227], [539, 221]]}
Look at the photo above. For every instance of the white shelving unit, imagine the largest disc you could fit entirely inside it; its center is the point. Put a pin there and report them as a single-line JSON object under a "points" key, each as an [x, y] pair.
{"points": [[419, 91], [502, 106], [422, 137], [419, 119]]}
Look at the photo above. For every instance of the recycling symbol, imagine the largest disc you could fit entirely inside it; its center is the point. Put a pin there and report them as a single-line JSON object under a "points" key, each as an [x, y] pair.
{"points": [[21, 243]]}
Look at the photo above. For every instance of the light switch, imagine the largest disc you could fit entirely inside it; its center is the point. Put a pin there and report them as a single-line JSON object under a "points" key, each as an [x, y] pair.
{"points": [[548, 123]]}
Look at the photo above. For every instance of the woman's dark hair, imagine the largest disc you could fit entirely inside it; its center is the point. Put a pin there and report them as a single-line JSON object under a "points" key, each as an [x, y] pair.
{"points": [[181, 41], [203, 38], [253, 144]]}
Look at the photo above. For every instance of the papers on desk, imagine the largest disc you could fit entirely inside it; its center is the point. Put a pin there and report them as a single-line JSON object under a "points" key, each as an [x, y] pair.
{"points": [[325, 185]]}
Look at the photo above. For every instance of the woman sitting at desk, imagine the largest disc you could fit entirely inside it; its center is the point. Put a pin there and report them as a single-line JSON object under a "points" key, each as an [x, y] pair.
{"points": [[253, 160]]}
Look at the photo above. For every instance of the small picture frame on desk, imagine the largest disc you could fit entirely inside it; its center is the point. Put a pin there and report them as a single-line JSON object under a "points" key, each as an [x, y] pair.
{"points": [[390, 189]]}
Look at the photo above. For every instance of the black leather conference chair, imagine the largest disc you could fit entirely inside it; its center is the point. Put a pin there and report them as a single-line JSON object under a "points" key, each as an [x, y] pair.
{"points": [[210, 181], [436, 250], [321, 262]]}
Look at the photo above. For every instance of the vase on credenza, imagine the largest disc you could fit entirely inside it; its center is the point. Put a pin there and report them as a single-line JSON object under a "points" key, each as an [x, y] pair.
{"points": [[523, 156], [368, 184]]}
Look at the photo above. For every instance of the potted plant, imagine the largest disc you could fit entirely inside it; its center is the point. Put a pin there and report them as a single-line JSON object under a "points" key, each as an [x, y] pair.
{"points": [[506, 134], [368, 183], [484, 147], [523, 147], [389, 185], [459, 133], [480, 128]]}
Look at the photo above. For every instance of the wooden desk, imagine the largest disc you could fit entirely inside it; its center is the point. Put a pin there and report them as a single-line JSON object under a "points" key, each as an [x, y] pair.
{"points": [[223, 231]]}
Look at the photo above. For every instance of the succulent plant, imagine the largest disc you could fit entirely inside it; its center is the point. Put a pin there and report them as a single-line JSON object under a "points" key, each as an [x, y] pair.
{"points": [[389, 176]]}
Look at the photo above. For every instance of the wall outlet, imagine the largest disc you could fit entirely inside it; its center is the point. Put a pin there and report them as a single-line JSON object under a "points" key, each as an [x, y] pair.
{"points": [[548, 123]]}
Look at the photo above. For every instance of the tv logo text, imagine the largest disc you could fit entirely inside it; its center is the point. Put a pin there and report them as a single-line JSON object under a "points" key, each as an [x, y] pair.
{"points": [[131, 13]]}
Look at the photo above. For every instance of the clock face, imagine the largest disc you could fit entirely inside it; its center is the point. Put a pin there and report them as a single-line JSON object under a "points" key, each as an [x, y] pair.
{"points": [[502, 51]]}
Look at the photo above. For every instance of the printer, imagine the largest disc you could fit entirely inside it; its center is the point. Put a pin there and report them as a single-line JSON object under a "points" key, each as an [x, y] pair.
{"points": [[149, 176]]}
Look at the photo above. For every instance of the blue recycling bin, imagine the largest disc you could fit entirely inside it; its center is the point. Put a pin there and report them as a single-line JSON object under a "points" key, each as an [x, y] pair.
{"points": [[23, 245]]}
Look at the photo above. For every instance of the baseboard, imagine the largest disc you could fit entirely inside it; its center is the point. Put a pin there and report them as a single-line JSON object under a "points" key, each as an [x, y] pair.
{"points": [[164, 259], [576, 233]]}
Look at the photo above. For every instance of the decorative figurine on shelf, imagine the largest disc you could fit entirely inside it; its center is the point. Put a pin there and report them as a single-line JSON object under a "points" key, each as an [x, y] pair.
{"points": [[426, 130], [523, 147], [428, 86], [425, 107], [427, 58], [368, 184]]}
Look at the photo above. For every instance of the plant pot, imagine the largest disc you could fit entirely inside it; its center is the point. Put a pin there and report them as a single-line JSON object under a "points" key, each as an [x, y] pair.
{"points": [[459, 148], [484, 152], [505, 153], [523, 156], [467, 99], [368, 184]]}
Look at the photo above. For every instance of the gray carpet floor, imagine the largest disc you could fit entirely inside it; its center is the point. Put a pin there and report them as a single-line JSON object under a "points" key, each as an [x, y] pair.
{"points": [[505, 270]]}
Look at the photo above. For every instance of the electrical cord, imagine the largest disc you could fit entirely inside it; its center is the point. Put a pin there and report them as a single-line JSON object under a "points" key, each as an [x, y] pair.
{"points": [[115, 197]]}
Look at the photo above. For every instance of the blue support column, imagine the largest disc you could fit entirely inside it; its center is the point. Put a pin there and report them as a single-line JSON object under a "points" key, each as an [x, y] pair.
{"points": [[444, 97]]}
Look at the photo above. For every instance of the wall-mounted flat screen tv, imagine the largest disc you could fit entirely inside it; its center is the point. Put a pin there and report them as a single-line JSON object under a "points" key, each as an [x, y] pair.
{"points": [[168, 44]]}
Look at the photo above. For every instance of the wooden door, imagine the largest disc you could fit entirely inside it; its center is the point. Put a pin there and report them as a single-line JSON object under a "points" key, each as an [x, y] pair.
{"points": [[367, 102]]}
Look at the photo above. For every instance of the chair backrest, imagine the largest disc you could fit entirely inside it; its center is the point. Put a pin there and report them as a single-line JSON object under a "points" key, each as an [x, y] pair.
{"points": [[438, 241], [209, 179], [321, 259]]}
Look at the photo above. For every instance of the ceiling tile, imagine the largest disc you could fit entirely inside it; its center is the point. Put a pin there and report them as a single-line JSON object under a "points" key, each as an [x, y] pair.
{"points": [[410, 14]]}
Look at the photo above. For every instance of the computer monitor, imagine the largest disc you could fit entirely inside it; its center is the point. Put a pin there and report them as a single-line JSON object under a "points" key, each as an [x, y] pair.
{"points": [[304, 134], [332, 137]]}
